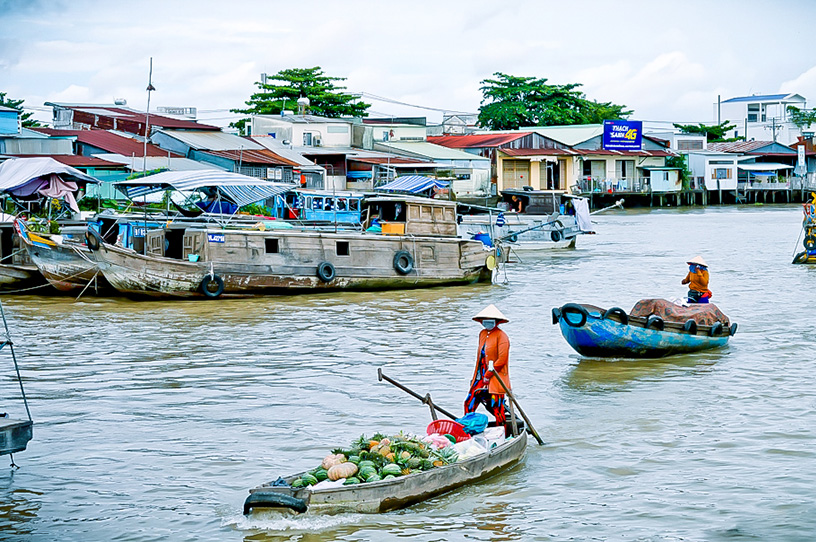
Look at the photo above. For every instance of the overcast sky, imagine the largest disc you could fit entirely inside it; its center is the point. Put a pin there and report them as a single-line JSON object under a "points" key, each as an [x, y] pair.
{"points": [[665, 60]]}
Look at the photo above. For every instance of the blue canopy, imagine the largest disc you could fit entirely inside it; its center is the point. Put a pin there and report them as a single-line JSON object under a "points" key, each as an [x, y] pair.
{"points": [[413, 184]]}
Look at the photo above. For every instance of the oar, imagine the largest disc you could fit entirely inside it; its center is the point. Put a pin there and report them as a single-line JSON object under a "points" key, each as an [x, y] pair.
{"points": [[425, 400], [523, 415]]}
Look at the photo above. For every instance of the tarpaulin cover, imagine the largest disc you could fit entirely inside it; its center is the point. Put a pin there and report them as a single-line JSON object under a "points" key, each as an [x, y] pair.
{"points": [[705, 314], [413, 184], [19, 171], [240, 189]]}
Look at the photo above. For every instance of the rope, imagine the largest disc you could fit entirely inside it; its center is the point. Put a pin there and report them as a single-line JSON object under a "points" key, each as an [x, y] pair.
{"points": [[19, 250], [93, 279], [14, 357]]}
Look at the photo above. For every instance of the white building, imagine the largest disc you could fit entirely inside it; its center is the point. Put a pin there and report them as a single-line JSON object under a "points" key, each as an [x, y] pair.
{"points": [[761, 117], [303, 130]]}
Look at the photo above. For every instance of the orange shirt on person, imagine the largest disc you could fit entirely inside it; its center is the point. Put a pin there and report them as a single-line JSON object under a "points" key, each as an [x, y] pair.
{"points": [[497, 349], [697, 281]]}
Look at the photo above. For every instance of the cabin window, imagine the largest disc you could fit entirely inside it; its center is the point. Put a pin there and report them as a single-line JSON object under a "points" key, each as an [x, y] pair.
{"points": [[272, 246], [341, 204], [317, 204], [342, 248], [327, 204], [354, 204]]}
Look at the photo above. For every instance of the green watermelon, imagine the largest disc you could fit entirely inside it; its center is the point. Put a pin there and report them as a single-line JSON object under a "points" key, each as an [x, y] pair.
{"points": [[308, 480], [392, 469], [373, 478], [354, 459], [298, 483], [321, 474], [366, 463], [365, 472], [414, 463], [351, 481], [389, 477]]}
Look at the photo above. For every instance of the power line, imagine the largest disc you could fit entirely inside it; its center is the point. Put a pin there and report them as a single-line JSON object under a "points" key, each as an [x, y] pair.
{"points": [[397, 102]]}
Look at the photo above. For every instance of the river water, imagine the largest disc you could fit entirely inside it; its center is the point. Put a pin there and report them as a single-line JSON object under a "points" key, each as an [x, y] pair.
{"points": [[153, 419]]}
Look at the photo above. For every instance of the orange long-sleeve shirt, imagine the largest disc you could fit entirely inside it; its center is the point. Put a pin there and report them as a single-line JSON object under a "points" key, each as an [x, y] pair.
{"points": [[497, 349], [697, 281]]}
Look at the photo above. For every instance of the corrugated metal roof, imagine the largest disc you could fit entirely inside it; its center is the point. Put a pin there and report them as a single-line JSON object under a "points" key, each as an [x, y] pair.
{"points": [[745, 146], [569, 135], [156, 162], [70, 160], [393, 161], [212, 141], [126, 113], [758, 98], [282, 150], [584, 152], [424, 149], [262, 156], [108, 141], [240, 189], [475, 141]]}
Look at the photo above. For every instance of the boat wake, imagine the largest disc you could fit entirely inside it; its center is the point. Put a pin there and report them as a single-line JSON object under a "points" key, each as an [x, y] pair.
{"points": [[269, 520]]}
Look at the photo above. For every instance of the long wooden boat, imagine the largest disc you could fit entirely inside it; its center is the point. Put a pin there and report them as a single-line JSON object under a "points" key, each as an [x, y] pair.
{"points": [[596, 332], [809, 242], [17, 272], [393, 494], [417, 247]]}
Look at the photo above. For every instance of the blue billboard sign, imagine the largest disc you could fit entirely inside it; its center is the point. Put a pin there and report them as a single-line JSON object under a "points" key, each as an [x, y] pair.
{"points": [[622, 135]]}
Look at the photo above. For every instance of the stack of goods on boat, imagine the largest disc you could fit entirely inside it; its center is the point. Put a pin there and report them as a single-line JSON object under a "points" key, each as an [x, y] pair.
{"points": [[809, 227]]}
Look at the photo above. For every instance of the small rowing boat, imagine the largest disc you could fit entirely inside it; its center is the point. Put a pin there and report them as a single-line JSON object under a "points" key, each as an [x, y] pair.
{"points": [[387, 494], [654, 328]]}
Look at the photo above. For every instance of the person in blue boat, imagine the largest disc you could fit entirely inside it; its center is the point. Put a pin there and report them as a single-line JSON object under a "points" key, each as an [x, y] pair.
{"points": [[492, 359], [697, 279]]}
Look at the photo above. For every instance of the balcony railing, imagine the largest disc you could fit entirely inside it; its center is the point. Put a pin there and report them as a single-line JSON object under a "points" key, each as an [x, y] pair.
{"points": [[600, 184]]}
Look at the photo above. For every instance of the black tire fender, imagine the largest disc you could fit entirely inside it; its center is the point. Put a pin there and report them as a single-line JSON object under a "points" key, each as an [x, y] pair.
{"points": [[619, 312], [557, 232], [716, 329], [810, 242], [800, 258], [403, 262], [574, 308], [513, 238], [93, 239], [326, 272], [270, 499], [655, 321], [733, 329], [205, 286], [690, 326], [556, 315]]}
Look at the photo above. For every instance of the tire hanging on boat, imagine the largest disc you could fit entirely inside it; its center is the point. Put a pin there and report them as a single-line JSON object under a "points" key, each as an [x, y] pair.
{"points": [[810, 242], [326, 272], [556, 315], [619, 312], [403, 262], [716, 329], [574, 309], [93, 239], [270, 499], [557, 232], [733, 329], [655, 321], [207, 281], [690, 326]]}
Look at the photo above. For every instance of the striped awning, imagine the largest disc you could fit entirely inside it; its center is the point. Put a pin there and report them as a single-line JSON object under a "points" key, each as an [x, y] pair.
{"points": [[413, 184], [237, 188]]}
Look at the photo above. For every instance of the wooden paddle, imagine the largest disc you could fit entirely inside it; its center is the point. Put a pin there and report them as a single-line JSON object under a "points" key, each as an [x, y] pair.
{"points": [[425, 400], [530, 427]]}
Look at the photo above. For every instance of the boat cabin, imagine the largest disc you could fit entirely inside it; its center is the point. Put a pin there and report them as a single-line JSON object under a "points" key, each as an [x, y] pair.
{"points": [[403, 215], [339, 207], [536, 202]]}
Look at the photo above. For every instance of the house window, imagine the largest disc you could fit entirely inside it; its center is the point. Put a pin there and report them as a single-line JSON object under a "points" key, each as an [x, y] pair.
{"points": [[721, 173], [307, 139], [690, 144], [343, 248], [753, 112], [272, 246]]}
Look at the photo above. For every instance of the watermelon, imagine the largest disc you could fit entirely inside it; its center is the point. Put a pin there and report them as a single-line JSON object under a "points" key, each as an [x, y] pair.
{"points": [[308, 480], [389, 477], [354, 459], [351, 481], [373, 478], [321, 474], [414, 463], [392, 469], [298, 483], [366, 471], [366, 463]]}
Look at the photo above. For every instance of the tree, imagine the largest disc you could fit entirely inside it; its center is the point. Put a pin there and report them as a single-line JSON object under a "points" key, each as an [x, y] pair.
{"points": [[325, 99], [802, 118], [28, 122], [714, 133], [509, 102]]}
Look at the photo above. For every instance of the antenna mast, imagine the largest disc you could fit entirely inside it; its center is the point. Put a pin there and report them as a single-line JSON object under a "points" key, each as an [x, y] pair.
{"points": [[150, 88]]}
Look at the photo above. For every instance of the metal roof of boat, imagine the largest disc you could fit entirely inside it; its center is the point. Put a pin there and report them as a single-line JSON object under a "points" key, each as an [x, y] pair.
{"points": [[240, 189]]}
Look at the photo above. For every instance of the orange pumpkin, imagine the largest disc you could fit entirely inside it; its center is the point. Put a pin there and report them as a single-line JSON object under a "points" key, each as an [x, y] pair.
{"points": [[343, 470], [331, 460], [390, 457]]}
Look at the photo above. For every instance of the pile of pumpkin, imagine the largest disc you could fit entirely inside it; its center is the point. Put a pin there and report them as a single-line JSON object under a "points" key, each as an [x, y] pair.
{"points": [[378, 458]]}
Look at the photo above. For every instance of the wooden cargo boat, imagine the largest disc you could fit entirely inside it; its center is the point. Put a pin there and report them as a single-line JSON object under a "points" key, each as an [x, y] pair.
{"points": [[417, 247], [393, 494], [809, 229], [595, 332], [17, 271]]}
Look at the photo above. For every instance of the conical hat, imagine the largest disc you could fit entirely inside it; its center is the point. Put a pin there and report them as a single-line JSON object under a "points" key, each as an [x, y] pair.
{"points": [[697, 260], [491, 312]]}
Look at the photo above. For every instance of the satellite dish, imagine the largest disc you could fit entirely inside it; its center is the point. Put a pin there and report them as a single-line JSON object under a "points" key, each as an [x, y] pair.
{"points": [[303, 101]]}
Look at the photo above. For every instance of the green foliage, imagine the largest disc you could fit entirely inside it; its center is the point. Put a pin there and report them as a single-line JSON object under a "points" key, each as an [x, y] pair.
{"points": [[28, 122], [685, 173], [282, 90], [256, 209], [509, 102], [715, 133], [802, 118], [140, 174]]}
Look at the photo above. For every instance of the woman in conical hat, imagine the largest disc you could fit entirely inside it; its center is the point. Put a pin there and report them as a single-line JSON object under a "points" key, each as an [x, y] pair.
{"points": [[697, 279], [492, 356]]}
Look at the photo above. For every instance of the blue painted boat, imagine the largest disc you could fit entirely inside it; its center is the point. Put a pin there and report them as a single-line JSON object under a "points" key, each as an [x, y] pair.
{"points": [[595, 332]]}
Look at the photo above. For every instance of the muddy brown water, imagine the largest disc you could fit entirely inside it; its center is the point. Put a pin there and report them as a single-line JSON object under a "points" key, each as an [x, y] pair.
{"points": [[153, 419]]}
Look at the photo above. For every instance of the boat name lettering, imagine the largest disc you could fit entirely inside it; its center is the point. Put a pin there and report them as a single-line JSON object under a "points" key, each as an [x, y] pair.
{"points": [[216, 237], [139, 231]]}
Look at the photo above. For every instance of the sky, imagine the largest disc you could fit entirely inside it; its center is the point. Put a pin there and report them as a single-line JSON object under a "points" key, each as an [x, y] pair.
{"points": [[667, 61]]}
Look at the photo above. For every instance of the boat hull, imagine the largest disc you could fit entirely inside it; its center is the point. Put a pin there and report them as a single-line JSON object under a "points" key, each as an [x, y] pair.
{"points": [[294, 268], [563, 233], [387, 495], [606, 337], [20, 277], [67, 267]]}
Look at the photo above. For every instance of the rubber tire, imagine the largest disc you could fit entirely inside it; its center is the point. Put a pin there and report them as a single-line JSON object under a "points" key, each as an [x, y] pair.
{"points": [[716, 329], [326, 272], [619, 312], [655, 321], [690, 326], [810, 242], [574, 308], [408, 265], [209, 293], [512, 238], [556, 236], [800, 258], [270, 499], [93, 239], [733, 329], [556, 316]]}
